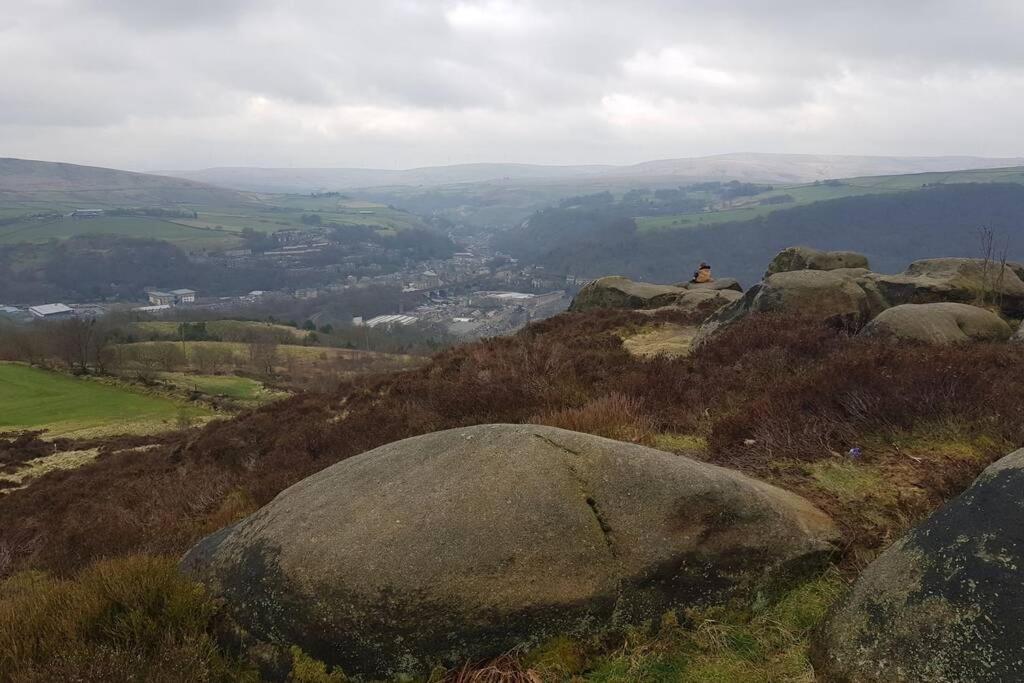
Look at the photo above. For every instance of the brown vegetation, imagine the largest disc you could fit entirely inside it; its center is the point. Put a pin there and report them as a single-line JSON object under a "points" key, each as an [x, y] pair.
{"points": [[772, 397]]}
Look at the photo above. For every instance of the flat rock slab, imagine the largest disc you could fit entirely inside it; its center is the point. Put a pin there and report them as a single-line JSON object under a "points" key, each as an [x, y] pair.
{"points": [[619, 292], [664, 340], [466, 543]]}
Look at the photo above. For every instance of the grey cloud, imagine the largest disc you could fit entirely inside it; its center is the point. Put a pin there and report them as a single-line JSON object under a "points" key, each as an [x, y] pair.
{"points": [[414, 82]]}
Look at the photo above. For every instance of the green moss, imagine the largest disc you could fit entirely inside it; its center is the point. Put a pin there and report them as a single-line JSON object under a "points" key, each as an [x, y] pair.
{"points": [[681, 443], [847, 480], [305, 669], [557, 658], [733, 643]]}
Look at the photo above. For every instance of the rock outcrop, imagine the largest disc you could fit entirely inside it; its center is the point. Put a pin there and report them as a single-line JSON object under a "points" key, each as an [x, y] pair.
{"points": [[943, 323], [619, 292], [829, 296], [960, 280], [805, 258], [693, 300], [723, 283], [465, 543], [944, 603]]}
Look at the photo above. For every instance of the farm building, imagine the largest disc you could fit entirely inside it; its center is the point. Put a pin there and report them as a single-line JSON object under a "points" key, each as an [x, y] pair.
{"points": [[51, 311], [87, 213]]}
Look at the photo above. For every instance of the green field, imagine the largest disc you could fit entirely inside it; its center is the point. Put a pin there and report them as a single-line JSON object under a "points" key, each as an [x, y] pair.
{"points": [[214, 228], [127, 226], [242, 389], [227, 330], [31, 398], [751, 207]]}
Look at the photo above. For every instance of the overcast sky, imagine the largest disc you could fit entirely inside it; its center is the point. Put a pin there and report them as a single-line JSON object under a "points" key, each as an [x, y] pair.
{"points": [[176, 84]]}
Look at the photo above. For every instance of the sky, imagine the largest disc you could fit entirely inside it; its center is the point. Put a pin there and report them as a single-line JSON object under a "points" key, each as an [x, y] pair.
{"points": [[184, 84]]}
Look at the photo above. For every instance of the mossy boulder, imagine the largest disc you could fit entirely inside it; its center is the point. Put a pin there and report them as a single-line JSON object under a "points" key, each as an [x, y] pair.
{"points": [[960, 280], [943, 323], [466, 543], [943, 604], [828, 296], [806, 258], [619, 292]]}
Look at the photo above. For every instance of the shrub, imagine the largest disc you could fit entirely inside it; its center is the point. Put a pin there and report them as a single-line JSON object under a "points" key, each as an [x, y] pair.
{"points": [[769, 392], [133, 618]]}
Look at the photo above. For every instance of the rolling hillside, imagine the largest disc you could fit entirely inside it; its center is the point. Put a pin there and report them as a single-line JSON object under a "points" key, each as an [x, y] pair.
{"points": [[784, 197], [766, 168], [44, 184], [891, 228]]}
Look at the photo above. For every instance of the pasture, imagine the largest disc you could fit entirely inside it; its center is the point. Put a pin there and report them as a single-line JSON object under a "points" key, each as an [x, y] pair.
{"points": [[226, 330], [32, 398], [143, 227], [296, 367], [241, 389]]}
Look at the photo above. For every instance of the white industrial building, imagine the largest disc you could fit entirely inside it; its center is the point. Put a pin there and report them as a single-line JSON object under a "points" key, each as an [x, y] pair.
{"points": [[51, 311]]}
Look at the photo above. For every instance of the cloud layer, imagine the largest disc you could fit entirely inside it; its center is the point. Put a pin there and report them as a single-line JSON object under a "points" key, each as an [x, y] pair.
{"points": [[151, 84]]}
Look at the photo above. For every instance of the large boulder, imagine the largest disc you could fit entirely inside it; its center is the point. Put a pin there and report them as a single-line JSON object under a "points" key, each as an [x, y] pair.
{"points": [[618, 292], [945, 323], [806, 258], [466, 543], [722, 283], [829, 296], [1018, 336], [961, 280], [710, 300], [945, 603]]}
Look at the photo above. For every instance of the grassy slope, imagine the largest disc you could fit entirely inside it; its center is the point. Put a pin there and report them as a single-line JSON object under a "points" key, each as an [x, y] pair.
{"points": [[929, 419], [220, 328], [40, 184], [218, 227], [31, 398], [28, 187], [169, 230], [749, 207], [243, 389]]}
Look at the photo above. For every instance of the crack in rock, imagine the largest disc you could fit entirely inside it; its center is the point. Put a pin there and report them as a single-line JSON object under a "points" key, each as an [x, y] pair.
{"points": [[595, 509]]}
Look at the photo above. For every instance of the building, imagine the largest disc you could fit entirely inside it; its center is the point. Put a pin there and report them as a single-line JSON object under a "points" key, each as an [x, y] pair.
{"points": [[175, 296], [87, 213], [52, 311], [158, 298], [390, 320], [184, 296]]}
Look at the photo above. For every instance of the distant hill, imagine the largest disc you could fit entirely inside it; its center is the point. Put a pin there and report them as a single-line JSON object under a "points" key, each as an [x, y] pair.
{"points": [[892, 229], [328, 179], [764, 168], [25, 183]]}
